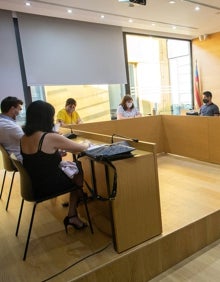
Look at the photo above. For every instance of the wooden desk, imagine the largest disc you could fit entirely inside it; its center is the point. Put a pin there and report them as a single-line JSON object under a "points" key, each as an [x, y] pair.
{"points": [[134, 216]]}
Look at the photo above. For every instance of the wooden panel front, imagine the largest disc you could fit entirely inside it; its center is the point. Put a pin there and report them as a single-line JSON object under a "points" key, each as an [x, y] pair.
{"points": [[187, 136], [134, 215], [190, 136], [193, 136], [136, 208], [149, 129], [214, 139]]}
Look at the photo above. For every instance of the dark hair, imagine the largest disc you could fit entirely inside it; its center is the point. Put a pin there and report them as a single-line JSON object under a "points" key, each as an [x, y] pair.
{"points": [[70, 101], [39, 117], [125, 99], [207, 94], [9, 102]]}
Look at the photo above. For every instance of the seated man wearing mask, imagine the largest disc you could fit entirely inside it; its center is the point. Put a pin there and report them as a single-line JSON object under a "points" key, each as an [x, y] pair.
{"points": [[68, 116], [208, 108]]}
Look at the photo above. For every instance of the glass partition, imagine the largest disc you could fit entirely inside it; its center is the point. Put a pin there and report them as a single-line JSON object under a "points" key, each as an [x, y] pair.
{"points": [[94, 102]]}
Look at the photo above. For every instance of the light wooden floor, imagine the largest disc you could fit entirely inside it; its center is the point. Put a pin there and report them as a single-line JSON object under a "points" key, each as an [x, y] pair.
{"points": [[189, 190], [202, 184]]}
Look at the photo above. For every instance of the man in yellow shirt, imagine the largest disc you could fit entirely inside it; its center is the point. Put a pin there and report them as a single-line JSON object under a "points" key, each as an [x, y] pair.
{"points": [[68, 116]]}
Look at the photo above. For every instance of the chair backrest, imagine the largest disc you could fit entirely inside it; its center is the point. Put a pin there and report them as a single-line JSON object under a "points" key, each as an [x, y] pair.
{"points": [[7, 163], [27, 192]]}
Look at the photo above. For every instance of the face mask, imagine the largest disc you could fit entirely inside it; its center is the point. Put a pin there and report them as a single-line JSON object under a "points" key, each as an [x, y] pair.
{"points": [[129, 105], [205, 101]]}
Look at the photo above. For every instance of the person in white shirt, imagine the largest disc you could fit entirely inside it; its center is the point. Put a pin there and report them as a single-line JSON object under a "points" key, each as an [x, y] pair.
{"points": [[126, 108], [10, 131]]}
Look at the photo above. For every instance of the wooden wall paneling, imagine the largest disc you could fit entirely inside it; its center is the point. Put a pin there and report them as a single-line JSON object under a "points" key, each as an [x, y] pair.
{"points": [[207, 55], [214, 139], [102, 127], [92, 136], [187, 136], [147, 129]]}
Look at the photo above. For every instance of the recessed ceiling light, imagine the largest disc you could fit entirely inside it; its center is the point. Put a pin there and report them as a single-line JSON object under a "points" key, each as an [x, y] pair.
{"points": [[69, 11], [172, 2], [173, 27], [130, 21], [197, 8], [27, 3], [102, 16]]}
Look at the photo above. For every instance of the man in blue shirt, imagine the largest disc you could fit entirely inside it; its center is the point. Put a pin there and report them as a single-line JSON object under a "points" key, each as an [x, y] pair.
{"points": [[208, 108], [10, 131]]}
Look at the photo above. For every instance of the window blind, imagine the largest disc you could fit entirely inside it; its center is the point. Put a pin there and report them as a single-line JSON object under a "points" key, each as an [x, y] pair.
{"points": [[67, 52], [10, 76]]}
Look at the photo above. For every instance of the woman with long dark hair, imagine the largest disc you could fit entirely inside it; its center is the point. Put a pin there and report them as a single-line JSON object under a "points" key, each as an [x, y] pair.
{"points": [[40, 150]]}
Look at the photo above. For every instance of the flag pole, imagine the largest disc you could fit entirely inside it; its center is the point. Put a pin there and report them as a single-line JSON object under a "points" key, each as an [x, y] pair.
{"points": [[197, 92]]}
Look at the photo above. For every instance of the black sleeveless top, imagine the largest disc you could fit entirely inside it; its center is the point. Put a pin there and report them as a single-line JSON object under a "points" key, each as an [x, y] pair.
{"points": [[44, 171]]}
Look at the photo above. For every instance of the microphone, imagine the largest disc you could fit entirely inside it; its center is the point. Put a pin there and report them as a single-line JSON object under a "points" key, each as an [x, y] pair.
{"points": [[125, 137]]}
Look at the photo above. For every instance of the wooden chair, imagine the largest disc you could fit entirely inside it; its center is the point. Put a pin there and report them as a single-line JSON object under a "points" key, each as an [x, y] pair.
{"points": [[8, 167], [27, 194]]}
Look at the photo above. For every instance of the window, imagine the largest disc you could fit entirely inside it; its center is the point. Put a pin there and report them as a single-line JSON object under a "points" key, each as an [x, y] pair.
{"points": [[160, 76]]}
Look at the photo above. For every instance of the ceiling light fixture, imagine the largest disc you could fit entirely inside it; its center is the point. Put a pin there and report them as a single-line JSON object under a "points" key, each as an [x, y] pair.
{"points": [[28, 4], [202, 4], [172, 2], [140, 2], [69, 11], [203, 37], [143, 23]]}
